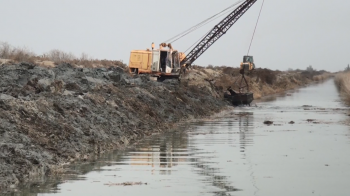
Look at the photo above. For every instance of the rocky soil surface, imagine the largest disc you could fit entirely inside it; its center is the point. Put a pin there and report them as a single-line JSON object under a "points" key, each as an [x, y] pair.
{"points": [[54, 116]]}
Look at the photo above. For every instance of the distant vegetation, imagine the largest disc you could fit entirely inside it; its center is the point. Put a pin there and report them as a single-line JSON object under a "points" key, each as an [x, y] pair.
{"points": [[18, 54], [342, 80]]}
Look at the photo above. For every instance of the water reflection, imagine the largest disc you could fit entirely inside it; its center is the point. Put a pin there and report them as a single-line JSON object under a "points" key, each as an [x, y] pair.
{"points": [[245, 129], [214, 174], [161, 154]]}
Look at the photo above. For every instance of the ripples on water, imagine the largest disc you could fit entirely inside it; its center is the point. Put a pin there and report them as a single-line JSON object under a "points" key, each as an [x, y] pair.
{"points": [[233, 155]]}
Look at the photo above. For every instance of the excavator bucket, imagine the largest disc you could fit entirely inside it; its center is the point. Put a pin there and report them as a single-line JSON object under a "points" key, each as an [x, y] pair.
{"points": [[239, 98], [243, 97]]}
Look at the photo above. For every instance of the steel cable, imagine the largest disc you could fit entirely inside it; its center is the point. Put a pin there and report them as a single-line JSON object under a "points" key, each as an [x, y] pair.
{"points": [[251, 41], [201, 26], [206, 21]]}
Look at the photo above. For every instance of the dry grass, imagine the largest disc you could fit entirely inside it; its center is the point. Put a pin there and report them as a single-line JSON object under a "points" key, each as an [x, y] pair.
{"points": [[16, 54], [84, 60], [58, 56], [322, 77], [225, 81], [266, 76], [10, 54], [261, 82], [342, 81]]}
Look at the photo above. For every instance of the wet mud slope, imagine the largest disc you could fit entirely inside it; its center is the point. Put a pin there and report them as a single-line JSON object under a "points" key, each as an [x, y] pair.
{"points": [[54, 116]]}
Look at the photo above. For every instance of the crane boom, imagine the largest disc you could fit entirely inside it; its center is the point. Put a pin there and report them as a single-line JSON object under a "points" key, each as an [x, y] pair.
{"points": [[219, 30]]}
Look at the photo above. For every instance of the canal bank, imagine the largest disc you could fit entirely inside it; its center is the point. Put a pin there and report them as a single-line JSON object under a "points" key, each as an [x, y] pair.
{"points": [[51, 117], [303, 152], [342, 81]]}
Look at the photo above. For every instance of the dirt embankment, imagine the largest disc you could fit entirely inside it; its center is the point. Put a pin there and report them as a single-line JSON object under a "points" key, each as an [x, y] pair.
{"points": [[342, 81], [261, 82], [52, 116]]}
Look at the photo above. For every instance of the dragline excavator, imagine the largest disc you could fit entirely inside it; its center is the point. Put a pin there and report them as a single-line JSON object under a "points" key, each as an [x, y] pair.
{"points": [[166, 62]]}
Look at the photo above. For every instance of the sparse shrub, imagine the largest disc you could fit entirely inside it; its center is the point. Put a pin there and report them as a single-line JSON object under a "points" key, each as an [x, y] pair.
{"points": [[5, 50], [197, 67], [23, 55], [85, 60], [322, 77], [310, 69], [16, 54], [58, 56], [266, 75], [224, 82], [231, 71], [342, 82]]}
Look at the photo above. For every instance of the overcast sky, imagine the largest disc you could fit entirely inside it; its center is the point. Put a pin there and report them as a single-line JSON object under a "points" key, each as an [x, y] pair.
{"points": [[291, 34]]}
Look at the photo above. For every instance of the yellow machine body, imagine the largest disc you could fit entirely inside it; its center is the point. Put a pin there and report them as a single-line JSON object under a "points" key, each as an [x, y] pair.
{"points": [[160, 62], [140, 61]]}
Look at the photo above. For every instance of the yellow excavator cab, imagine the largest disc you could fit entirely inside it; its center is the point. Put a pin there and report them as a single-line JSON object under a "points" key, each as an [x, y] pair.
{"points": [[247, 64]]}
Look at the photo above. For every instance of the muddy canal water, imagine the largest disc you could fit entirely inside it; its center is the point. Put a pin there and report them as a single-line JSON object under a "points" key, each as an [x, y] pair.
{"points": [[235, 154]]}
